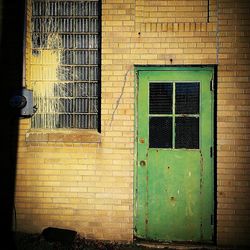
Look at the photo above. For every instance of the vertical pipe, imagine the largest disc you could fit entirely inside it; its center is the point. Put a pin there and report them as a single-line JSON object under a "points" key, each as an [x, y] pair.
{"points": [[217, 33], [24, 44], [99, 11], [208, 11]]}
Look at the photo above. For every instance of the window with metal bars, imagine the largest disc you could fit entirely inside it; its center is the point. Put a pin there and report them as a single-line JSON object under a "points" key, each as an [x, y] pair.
{"points": [[65, 63], [174, 113]]}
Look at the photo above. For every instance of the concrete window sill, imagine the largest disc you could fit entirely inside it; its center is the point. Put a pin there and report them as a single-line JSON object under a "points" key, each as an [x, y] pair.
{"points": [[62, 135]]}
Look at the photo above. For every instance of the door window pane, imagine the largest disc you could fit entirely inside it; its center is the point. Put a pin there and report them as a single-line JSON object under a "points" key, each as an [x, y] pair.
{"points": [[160, 132], [187, 98], [160, 101], [187, 132]]}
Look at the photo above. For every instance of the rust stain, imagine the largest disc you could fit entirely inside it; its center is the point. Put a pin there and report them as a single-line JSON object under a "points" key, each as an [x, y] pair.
{"points": [[146, 214], [142, 140], [201, 186], [173, 200], [201, 171], [190, 205]]}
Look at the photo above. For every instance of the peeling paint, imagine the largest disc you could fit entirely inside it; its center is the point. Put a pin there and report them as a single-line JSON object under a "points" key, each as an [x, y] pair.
{"points": [[190, 205], [201, 171], [201, 187], [173, 201]]}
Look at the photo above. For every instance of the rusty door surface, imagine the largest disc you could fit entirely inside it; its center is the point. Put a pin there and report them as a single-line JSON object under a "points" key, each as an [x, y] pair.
{"points": [[174, 174]]}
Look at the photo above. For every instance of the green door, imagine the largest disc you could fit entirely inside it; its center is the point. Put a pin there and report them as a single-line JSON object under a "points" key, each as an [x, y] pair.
{"points": [[174, 198]]}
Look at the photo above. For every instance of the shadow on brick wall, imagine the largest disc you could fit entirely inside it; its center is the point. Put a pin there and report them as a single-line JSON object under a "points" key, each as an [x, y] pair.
{"points": [[11, 41]]}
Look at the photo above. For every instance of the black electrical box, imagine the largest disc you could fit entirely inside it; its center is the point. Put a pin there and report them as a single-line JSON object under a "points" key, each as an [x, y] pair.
{"points": [[23, 102]]}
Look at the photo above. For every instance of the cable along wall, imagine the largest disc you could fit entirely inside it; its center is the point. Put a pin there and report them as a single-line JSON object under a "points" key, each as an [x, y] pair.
{"points": [[65, 62]]}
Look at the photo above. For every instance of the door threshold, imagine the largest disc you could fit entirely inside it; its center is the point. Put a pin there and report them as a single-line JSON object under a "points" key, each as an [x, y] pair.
{"points": [[175, 245]]}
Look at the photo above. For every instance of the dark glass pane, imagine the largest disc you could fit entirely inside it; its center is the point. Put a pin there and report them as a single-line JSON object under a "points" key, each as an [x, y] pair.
{"points": [[160, 101], [187, 98], [187, 132], [65, 121], [160, 132]]}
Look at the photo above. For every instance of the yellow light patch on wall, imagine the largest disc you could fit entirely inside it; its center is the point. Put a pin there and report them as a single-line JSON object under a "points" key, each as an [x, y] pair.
{"points": [[44, 66], [42, 74]]}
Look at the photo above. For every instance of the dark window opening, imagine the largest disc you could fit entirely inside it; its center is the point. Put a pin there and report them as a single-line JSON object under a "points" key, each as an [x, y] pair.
{"points": [[160, 101], [174, 115], [187, 98], [187, 132], [160, 132]]}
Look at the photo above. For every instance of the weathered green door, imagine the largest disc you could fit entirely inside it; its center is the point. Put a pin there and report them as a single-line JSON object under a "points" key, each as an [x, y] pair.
{"points": [[174, 198]]}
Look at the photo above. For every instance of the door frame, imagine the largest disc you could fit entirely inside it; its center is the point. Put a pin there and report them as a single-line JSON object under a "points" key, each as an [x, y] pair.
{"points": [[213, 86]]}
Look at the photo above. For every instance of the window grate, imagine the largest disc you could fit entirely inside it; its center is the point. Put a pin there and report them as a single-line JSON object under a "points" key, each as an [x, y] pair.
{"points": [[174, 115], [160, 99], [160, 132], [65, 63]]}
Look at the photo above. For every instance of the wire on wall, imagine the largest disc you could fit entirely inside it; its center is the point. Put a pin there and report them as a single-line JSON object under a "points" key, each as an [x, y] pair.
{"points": [[208, 11], [217, 33]]}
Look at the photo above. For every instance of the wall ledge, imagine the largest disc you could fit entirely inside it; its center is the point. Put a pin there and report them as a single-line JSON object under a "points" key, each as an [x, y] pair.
{"points": [[63, 135]]}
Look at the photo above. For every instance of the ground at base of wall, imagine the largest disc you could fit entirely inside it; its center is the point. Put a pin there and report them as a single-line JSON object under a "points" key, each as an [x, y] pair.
{"points": [[24, 241]]}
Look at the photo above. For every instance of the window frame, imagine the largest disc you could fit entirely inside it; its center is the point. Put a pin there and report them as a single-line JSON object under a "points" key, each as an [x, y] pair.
{"points": [[174, 115], [73, 130]]}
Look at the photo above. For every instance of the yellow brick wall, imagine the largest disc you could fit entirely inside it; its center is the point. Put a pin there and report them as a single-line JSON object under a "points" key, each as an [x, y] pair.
{"points": [[89, 186], [174, 11], [233, 122]]}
